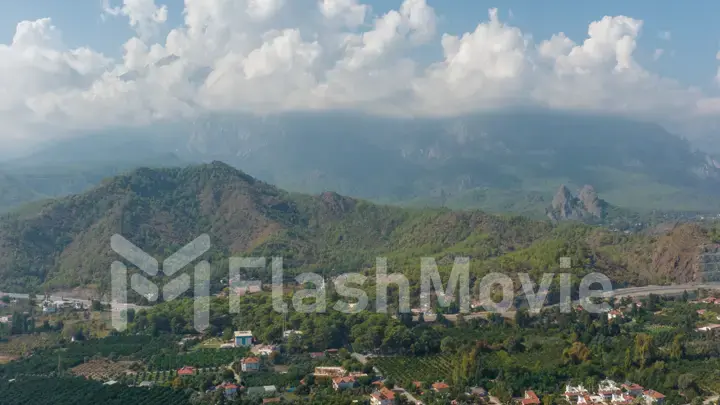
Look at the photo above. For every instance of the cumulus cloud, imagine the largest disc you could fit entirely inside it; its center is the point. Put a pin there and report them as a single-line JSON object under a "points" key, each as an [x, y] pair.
{"points": [[144, 16], [658, 53], [665, 35], [276, 55]]}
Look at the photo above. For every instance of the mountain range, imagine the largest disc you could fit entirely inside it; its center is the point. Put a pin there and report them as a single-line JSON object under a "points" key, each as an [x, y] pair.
{"points": [[66, 242], [504, 161]]}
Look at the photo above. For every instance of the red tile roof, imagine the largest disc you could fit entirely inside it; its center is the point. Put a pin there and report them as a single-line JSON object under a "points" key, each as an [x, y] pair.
{"points": [[384, 393], [186, 371], [531, 398], [440, 386], [344, 380], [250, 360], [654, 394]]}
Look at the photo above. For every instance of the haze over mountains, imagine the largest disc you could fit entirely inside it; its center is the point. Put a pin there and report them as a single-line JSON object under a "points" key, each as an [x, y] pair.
{"points": [[504, 161]]}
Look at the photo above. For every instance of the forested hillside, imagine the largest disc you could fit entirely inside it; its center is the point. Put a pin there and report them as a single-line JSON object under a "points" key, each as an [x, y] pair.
{"points": [[66, 243]]}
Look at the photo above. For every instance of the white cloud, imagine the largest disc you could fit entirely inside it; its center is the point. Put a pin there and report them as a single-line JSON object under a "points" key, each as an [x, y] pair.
{"points": [[275, 55], [350, 12], [665, 35], [145, 17], [658, 53]]}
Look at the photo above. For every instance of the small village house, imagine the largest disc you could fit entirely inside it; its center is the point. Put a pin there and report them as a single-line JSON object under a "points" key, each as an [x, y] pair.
{"points": [[382, 397], [186, 370], [654, 397], [440, 387], [530, 398], [250, 364], [342, 383], [243, 338]]}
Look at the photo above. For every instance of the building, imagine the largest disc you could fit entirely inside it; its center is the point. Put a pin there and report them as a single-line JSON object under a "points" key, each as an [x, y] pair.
{"points": [[614, 313], [608, 388], [250, 364], [146, 384], [440, 387], [588, 399], [186, 370], [317, 355], [382, 397], [708, 328], [243, 338], [330, 372], [230, 389], [342, 383], [573, 393], [291, 332], [621, 399], [653, 397], [530, 399], [633, 389], [271, 400]]}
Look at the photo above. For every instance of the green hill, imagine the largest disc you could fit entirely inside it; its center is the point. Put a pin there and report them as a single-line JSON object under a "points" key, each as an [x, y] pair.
{"points": [[65, 243]]}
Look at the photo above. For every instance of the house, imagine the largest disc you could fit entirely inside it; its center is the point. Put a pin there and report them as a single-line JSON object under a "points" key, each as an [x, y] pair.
{"points": [[317, 355], [146, 384], [607, 388], [621, 399], [701, 312], [330, 372], [271, 400], [440, 387], [382, 397], [230, 389], [708, 328], [479, 391], [341, 383], [243, 338], [653, 397], [6, 319], [291, 332], [250, 364], [633, 389], [186, 371], [588, 399], [573, 393], [614, 313], [530, 399]]}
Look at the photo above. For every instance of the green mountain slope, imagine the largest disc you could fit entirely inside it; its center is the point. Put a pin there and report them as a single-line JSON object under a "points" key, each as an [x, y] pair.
{"points": [[66, 242]]}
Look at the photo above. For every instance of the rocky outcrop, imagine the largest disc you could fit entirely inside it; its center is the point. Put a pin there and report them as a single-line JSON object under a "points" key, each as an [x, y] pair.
{"points": [[586, 206]]}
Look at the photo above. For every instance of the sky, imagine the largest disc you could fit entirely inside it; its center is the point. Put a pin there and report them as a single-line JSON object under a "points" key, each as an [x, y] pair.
{"points": [[105, 63]]}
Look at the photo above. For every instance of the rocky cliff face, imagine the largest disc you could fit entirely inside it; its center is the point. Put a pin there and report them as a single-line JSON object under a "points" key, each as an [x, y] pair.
{"points": [[586, 206]]}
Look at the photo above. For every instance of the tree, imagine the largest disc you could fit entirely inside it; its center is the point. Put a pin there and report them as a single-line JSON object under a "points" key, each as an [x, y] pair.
{"points": [[576, 354], [644, 349], [677, 349], [628, 360]]}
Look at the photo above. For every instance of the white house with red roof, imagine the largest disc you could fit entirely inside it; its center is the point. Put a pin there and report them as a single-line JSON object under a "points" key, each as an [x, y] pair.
{"points": [[250, 364]]}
